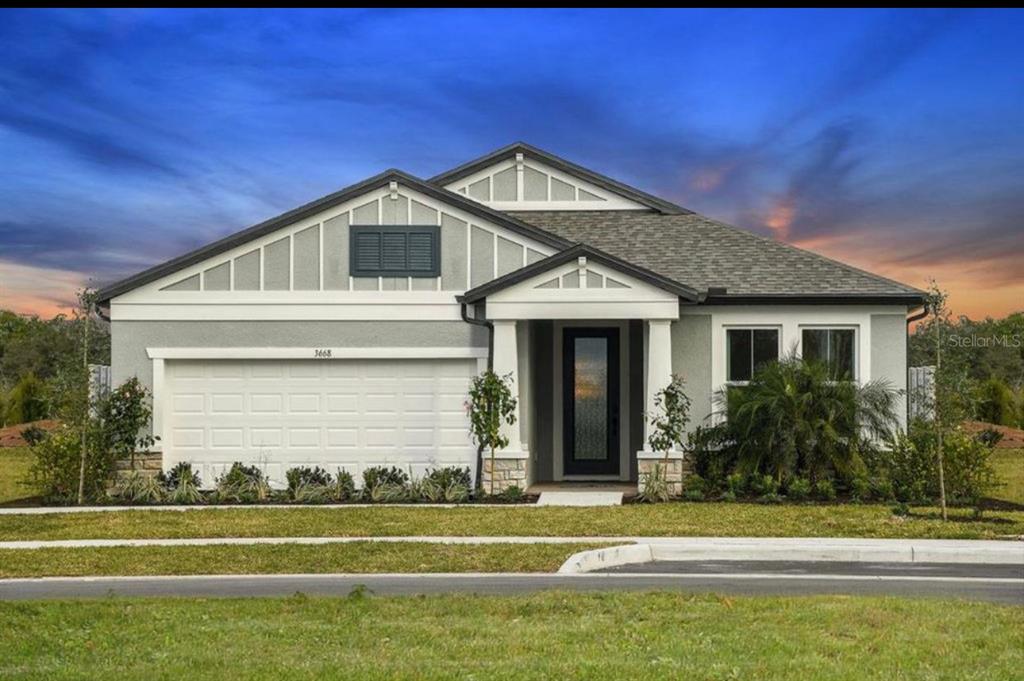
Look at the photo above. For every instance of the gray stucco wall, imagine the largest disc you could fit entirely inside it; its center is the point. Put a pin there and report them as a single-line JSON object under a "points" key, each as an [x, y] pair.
{"points": [[510, 256], [218, 278], [483, 256], [129, 339], [247, 271], [336, 253], [691, 359], [453, 253], [277, 265], [307, 259], [889, 353]]}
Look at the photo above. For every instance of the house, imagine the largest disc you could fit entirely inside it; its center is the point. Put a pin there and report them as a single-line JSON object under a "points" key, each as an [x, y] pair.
{"points": [[344, 333]]}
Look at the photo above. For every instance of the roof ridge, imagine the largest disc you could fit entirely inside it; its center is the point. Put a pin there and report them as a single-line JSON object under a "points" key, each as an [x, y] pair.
{"points": [[559, 163]]}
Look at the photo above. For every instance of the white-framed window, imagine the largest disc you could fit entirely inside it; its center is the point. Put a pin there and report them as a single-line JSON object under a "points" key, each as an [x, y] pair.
{"points": [[747, 348], [835, 346]]}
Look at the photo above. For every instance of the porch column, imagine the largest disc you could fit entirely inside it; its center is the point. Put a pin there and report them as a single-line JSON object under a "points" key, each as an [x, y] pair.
{"points": [[659, 366], [510, 467]]}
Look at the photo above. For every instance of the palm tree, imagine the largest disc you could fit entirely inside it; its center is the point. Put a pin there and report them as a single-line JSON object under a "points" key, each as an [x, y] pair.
{"points": [[795, 417]]}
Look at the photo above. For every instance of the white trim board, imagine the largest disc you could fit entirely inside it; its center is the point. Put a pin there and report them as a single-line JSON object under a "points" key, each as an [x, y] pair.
{"points": [[318, 353]]}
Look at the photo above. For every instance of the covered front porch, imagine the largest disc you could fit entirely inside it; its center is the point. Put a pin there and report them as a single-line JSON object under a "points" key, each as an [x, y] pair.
{"points": [[587, 343]]}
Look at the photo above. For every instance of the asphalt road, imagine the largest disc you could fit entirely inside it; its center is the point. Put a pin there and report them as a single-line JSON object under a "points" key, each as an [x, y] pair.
{"points": [[997, 583]]}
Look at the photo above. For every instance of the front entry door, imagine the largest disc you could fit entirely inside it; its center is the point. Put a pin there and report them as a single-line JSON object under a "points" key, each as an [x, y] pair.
{"points": [[590, 401]]}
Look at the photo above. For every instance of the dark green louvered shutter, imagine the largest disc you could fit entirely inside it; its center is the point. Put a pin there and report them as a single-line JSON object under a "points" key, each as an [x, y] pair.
{"points": [[395, 251]]}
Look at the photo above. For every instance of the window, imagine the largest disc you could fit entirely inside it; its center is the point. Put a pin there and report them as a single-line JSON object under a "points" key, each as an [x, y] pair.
{"points": [[395, 251], [748, 349], [835, 347]]}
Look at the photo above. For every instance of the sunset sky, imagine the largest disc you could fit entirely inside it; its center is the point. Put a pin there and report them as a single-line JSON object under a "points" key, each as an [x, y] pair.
{"points": [[892, 140]]}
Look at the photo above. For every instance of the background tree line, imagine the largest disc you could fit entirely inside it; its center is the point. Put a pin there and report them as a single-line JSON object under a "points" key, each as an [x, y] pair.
{"points": [[39, 358], [986, 357]]}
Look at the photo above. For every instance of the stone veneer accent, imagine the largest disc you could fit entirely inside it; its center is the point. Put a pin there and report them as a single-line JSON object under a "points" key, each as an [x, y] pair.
{"points": [[507, 472], [678, 469], [149, 463]]}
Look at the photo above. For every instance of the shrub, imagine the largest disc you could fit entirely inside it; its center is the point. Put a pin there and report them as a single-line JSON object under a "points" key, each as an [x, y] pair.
{"points": [[881, 488], [910, 470], [969, 473], [33, 435], [996, 403], [761, 485], [860, 488], [26, 401], [344, 486], [736, 484], [793, 418], [139, 488], [824, 490], [694, 488], [385, 492], [181, 484], [798, 489], [375, 475], [654, 485], [58, 460], [242, 484], [514, 494], [309, 485], [449, 485], [713, 458], [901, 509], [989, 437]]}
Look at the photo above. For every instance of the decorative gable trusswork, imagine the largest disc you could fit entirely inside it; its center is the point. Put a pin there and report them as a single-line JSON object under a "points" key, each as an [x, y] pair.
{"points": [[501, 215]]}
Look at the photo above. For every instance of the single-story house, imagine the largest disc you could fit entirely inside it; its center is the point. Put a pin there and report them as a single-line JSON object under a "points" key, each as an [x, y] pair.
{"points": [[344, 333]]}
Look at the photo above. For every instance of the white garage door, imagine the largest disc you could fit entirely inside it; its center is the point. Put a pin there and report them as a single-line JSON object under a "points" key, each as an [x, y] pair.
{"points": [[346, 414]]}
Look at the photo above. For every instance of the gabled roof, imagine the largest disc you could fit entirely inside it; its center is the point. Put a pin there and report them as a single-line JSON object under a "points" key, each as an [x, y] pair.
{"points": [[570, 254], [321, 204], [707, 254], [603, 181]]}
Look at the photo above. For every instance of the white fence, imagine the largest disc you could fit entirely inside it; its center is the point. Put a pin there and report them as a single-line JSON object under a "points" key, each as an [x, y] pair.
{"points": [[921, 391]]}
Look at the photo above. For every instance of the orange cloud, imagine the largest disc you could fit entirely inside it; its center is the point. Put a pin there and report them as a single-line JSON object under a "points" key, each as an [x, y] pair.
{"points": [[38, 290], [780, 217]]}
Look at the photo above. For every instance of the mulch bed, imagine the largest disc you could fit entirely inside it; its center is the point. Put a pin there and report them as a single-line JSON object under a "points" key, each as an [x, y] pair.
{"points": [[1013, 438], [11, 435]]}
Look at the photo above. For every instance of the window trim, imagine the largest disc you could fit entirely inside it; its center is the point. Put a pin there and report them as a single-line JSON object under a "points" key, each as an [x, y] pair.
{"points": [[432, 273], [777, 328], [836, 327]]}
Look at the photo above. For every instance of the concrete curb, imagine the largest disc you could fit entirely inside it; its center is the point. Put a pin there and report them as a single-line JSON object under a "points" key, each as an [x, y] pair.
{"points": [[797, 549]]}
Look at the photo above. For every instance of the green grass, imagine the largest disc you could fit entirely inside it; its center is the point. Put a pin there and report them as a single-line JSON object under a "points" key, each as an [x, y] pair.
{"points": [[14, 465], [675, 519], [357, 557], [549, 635], [1009, 465]]}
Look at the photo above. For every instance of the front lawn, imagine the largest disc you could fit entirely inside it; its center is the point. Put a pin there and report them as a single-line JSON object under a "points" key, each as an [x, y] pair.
{"points": [[550, 635], [1009, 465], [14, 465], [357, 557], [672, 519]]}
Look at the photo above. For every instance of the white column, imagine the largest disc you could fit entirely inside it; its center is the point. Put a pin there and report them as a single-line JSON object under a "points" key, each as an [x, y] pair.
{"points": [[506, 363], [659, 366]]}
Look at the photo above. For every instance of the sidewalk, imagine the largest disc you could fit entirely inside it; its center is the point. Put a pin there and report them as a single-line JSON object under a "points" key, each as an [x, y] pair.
{"points": [[643, 549]]}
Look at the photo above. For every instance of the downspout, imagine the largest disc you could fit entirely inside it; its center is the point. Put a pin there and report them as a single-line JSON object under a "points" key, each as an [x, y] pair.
{"points": [[478, 483], [910, 320], [490, 333]]}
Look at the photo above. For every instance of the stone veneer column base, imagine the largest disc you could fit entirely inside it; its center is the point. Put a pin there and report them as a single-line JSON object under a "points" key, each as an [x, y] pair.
{"points": [[149, 463], [507, 472], [677, 467]]}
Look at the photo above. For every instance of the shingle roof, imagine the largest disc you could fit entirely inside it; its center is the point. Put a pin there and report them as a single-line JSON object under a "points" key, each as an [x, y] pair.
{"points": [[704, 254]]}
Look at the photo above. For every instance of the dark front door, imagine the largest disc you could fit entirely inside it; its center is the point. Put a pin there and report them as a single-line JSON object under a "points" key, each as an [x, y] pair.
{"points": [[590, 401]]}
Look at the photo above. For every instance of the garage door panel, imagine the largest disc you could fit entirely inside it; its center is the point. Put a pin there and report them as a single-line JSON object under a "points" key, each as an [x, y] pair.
{"points": [[348, 414]]}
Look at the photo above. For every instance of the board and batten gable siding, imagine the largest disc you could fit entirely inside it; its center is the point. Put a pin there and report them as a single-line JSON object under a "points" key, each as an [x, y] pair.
{"points": [[299, 269], [529, 184]]}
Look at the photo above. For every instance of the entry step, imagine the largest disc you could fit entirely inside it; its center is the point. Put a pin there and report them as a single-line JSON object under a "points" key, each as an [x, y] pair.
{"points": [[580, 498]]}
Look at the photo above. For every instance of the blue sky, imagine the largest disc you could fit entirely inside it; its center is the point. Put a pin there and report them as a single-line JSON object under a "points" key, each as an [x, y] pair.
{"points": [[889, 139]]}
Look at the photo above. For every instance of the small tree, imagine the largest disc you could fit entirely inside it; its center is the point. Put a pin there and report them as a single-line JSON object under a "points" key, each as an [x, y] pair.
{"points": [[491, 405], [125, 414], [668, 430], [83, 314]]}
